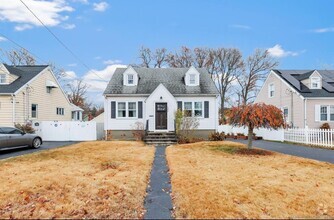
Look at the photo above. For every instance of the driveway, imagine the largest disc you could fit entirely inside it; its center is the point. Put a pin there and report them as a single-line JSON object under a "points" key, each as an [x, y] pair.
{"points": [[26, 150], [295, 150]]}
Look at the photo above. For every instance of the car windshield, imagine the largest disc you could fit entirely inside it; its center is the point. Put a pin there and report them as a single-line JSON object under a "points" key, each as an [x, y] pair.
{"points": [[8, 130]]}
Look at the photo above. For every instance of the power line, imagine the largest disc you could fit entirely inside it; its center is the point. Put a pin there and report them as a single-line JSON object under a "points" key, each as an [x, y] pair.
{"points": [[60, 41], [20, 46]]}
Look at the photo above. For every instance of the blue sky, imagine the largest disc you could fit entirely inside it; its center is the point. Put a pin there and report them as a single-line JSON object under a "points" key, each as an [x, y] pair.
{"points": [[299, 33]]}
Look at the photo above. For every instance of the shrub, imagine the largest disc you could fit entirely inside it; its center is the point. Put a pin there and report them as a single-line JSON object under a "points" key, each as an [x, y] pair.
{"points": [[187, 140], [184, 125], [27, 128], [325, 126], [138, 131], [240, 134], [216, 136]]}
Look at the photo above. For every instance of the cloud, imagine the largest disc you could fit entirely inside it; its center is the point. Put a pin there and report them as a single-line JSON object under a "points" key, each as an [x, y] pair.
{"points": [[102, 6], [111, 62], [239, 26], [278, 51], [97, 58], [68, 26], [70, 75], [50, 12], [3, 39], [81, 1], [72, 64], [323, 30]]}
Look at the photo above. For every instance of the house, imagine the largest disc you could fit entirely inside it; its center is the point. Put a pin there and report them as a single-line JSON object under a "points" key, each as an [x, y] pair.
{"points": [[151, 96], [32, 93], [306, 97]]}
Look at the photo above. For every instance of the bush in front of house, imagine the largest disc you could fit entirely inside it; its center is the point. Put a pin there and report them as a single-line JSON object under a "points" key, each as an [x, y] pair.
{"points": [[185, 127], [217, 136], [325, 126], [138, 131], [27, 128]]}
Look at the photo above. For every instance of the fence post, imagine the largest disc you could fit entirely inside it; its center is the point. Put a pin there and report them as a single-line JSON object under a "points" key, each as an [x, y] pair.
{"points": [[306, 136]]}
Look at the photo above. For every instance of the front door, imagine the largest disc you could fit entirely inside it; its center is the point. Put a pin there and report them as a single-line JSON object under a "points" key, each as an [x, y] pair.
{"points": [[161, 116]]}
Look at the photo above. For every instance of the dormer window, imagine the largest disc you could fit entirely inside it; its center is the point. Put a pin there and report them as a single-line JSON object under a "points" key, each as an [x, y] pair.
{"points": [[315, 83], [2, 78], [130, 79], [192, 79]]}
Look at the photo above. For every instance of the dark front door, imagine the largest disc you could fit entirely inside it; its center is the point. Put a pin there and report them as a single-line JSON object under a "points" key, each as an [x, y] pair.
{"points": [[160, 116]]}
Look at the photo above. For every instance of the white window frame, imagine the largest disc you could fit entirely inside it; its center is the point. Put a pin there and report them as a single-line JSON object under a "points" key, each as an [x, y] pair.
{"points": [[193, 108], [329, 112], [36, 111], [3, 78], [192, 81], [317, 81], [117, 109], [60, 111], [197, 109], [287, 117], [131, 81], [135, 110], [271, 88], [127, 110]]}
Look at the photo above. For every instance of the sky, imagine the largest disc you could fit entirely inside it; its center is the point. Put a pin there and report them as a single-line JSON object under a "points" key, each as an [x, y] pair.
{"points": [[104, 35]]}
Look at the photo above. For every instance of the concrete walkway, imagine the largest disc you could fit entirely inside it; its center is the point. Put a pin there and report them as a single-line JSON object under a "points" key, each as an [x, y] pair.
{"points": [[295, 150], [158, 202]]}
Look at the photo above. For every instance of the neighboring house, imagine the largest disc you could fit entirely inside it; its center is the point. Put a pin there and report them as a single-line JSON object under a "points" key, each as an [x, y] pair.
{"points": [[32, 93], [151, 96], [306, 97]]}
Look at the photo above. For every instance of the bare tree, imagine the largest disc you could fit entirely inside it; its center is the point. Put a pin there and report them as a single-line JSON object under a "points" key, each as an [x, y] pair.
{"points": [[229, 66], [59, 73], [159, 57], [257, 67], [183, 58], [201, 57], [146, 56], [20, 57], [77, 94]]}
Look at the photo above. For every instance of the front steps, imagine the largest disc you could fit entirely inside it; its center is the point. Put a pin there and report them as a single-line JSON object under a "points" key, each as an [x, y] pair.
{"points": [[160, 138]]}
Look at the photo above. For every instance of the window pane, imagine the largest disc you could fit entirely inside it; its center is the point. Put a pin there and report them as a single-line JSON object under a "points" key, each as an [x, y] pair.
{"points": [[187, 106], [132, 105], [121, 113], [198, 109], [198, 105], [323, 109], [198, 113], [121, 105], [132, 113], [192, 78], [130, 79]]}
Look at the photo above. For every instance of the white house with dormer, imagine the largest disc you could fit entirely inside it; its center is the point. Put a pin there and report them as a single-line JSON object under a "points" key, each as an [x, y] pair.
{"points": [[151, 96]]}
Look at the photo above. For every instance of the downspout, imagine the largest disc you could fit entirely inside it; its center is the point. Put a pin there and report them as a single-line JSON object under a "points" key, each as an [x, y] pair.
{"points": [[13, 109], [305, 113], [292, 109]]}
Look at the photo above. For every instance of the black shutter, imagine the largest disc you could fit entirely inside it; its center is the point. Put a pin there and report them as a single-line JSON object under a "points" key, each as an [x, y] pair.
{"points": [[206, 109], [140, 109], [113, 109], [179, 105]]}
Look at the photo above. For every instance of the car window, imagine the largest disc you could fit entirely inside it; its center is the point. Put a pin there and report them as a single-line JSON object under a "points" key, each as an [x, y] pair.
{"points": [[1, 131], [15, 131]]}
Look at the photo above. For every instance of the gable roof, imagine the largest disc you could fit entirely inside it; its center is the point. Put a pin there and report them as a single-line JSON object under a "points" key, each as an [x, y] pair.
{"points": [[24, 73], [295, 77], [151, 78]]}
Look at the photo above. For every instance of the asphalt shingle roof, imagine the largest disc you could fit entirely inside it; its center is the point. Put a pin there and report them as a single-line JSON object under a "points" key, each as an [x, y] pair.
{"points": [[24, 73], [171, 78], [295, 78]]}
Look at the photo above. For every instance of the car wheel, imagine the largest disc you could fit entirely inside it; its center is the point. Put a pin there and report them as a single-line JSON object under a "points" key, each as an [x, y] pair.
{"points": [[36, 143]]}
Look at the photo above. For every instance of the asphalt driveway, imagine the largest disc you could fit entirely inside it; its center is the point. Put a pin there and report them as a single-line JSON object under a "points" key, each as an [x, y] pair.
{"points": [[294, 149], [26, 150]]}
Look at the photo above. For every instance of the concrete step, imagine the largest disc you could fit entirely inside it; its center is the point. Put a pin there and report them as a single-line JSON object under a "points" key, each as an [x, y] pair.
{"points": [[160, 139], [160, 143]]}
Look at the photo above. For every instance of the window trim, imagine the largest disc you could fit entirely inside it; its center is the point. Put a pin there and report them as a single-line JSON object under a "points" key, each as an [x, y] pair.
{"points": [[133, 79], [328, 113], [190, 80], [35, 110], [318, 81], [127, 110], [60, 111], [287, 119], [135, 109], [271, 88]]}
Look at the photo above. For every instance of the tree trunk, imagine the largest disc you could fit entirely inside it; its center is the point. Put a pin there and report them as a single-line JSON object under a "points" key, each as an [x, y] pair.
{"points": [[222, 106], [250, 137]]}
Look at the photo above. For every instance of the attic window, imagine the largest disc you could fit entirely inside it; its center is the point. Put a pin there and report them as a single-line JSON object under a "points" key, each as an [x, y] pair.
{"points": [[315, 83], [2, 78], [130, 79], [192, 79]]}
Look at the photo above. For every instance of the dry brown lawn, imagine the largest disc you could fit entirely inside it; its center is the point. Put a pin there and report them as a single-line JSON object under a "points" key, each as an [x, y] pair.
{"points": [[210, 183], [86, 180]]}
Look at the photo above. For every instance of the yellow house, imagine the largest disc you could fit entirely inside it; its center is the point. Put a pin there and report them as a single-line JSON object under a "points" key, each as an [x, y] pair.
{"points": [[32, 93]]}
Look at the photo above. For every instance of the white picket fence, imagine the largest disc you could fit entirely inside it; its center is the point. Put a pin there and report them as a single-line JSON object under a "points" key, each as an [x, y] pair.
{"points": [[316, 137]]}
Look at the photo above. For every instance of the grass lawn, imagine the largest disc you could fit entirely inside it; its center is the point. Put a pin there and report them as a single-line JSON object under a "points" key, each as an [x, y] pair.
{"points": [[221, 180], [86, 180]]}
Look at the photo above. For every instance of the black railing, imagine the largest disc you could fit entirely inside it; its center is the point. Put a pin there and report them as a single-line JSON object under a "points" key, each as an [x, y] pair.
{"points": [[146, 128]]}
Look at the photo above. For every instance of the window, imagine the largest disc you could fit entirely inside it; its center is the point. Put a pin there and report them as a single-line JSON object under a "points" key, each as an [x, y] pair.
{"points": [[132, 113], [188, 109], [130, 79], [271, 90], [48, 89], [34, 108], [286, 114], [198, 110], [60, 111], [315, 83], [2, 78], [192, 79], [323, 113], [121, 106]]}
